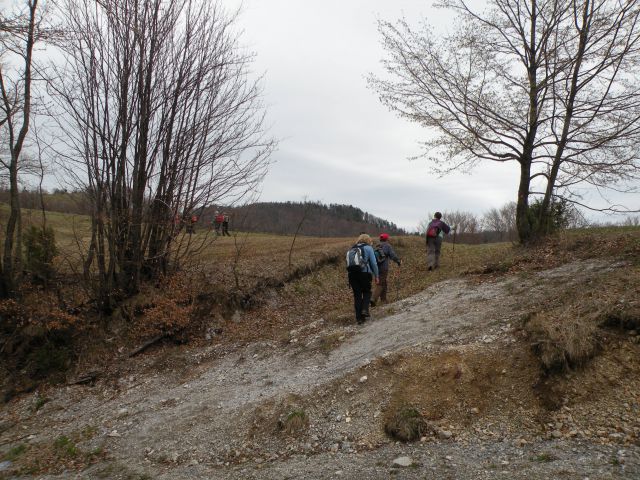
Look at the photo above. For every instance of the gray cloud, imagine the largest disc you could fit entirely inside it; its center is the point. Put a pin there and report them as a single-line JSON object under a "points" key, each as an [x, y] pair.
{"points": [[338, 143]]}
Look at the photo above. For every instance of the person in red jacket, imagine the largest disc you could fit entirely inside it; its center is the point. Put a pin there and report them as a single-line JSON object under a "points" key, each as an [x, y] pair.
{"points": [[218, 218]]}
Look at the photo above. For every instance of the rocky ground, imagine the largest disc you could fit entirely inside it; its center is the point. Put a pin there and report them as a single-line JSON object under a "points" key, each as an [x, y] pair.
{"points": [[196, 413]]}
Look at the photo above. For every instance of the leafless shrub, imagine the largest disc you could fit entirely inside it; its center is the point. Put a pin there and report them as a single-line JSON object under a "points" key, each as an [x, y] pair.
{"points": [[159, 118]]}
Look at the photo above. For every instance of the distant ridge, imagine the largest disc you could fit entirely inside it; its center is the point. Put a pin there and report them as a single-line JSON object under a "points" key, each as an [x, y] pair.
{"points": [[317, 219], [283, 218]]}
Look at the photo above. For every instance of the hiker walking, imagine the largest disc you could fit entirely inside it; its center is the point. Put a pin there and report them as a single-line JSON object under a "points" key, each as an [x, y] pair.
{"points": [[436, 231], [384, 252], [362, 268], [191, 225], [225, 225], [217, 222]]}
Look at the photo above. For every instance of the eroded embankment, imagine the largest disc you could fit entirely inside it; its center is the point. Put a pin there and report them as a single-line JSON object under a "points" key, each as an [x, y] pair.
{"points": [[445, 350]]}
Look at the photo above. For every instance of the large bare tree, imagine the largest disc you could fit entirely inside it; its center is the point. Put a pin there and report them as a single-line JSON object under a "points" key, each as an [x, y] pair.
{"points": [[161, 118], [544, 83]]}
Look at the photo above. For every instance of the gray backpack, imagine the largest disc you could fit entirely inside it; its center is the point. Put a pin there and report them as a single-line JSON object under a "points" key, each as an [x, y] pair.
{"points": [[356, 261]]}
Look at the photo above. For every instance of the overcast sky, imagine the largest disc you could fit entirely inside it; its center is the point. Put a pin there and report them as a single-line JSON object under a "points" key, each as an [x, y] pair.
{"points": [[338, 144]]}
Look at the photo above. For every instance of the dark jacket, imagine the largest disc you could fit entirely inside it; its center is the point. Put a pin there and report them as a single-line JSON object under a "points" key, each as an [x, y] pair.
{"points": [[389, 254]]}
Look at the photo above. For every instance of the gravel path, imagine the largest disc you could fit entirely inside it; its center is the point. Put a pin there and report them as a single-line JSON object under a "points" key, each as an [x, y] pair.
{"points": [[188, 426]]}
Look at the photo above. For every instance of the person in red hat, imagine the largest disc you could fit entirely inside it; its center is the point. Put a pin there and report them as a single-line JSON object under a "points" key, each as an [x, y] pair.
{"points": [[384, 252]]}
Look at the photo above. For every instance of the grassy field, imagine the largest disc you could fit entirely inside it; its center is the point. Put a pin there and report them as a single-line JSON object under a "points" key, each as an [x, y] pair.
{"points": [[280, 283]]}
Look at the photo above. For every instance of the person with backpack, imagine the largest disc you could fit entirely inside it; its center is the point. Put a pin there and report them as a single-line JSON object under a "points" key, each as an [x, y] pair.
{"points": [[384, 252], [362, 269], [218, 218], [191, 226], [225, 225], [436, 230]]}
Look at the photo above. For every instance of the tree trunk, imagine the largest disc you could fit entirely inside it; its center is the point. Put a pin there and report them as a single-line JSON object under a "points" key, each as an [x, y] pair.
{"points": [[522, 209], [11, 242]]}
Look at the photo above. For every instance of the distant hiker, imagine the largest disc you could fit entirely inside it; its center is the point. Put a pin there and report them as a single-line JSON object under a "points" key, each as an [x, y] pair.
{"points": [[225, 225], [191, 224], [436, 230], [384, 252], [361, 267], [218, 218]]}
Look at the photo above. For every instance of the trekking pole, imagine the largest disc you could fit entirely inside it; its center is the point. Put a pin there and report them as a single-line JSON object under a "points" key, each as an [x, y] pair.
{"points": [[453, 253]]}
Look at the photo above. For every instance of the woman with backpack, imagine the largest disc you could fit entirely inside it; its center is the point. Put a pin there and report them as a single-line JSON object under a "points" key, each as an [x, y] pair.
{"points": [[384, 252], [436, 231], [362, 268]]}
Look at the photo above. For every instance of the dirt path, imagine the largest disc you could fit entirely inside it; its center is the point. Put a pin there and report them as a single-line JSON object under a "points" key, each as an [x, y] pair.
{"points": [[192, 424]]}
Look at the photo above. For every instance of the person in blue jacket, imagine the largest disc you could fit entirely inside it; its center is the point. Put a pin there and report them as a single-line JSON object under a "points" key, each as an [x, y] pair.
{"points": [[360, 281]]}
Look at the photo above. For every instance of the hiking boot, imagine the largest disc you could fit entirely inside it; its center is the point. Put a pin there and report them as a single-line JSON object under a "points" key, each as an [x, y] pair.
{"points": [[372, 303], [366, 315], [360, 320]]}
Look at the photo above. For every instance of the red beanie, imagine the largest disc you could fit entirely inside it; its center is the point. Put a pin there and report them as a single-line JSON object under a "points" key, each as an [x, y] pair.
{"points": [[384, 237]]}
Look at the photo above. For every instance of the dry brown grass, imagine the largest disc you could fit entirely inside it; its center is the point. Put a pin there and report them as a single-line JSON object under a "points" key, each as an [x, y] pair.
{"points": [[564, 338], [405, 423], [276, 419], [567, 332], [295, 422]]}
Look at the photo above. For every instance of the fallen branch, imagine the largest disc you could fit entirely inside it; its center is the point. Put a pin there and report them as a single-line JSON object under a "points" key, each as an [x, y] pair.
{"points": [[89, 377], [147, 344]]}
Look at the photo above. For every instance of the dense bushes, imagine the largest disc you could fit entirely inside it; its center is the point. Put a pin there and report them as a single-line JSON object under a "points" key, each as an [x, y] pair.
{"points": [[40, 250]]}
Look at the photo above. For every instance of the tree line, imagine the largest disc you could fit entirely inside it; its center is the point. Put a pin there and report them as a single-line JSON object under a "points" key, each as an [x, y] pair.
{"points": [[313, 218]]}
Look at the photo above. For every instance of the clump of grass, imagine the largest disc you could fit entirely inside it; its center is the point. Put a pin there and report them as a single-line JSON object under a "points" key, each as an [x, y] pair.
{"points": [[15, 452], [545, 457], [405, 424], [296, 421], [39, 402], [563, 339], [65, 447], [494, 267]]}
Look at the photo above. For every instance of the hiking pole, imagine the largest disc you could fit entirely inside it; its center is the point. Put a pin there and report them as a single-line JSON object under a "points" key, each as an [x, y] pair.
{"points": [[453, 252]]}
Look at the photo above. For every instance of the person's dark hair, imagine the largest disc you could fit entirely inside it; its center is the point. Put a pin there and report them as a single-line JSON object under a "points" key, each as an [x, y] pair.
{"points": [[438, 215]]}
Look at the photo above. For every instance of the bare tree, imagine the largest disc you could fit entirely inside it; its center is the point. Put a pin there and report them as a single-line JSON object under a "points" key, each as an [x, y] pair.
{"points": [[516, 83], [631, 221], [163, 119], [465, 222], [19, 34], [305, 210], [501, 220], [594, 121], [423, 225]]}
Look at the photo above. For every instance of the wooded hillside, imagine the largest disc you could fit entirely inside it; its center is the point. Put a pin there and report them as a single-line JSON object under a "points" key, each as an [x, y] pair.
{"points": [[283, 218], [311, 218]]}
